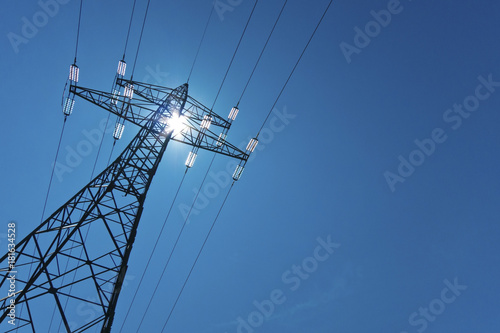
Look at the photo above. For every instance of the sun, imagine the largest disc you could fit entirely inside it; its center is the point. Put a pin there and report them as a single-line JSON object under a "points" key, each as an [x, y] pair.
{"points": [[175, 124]]}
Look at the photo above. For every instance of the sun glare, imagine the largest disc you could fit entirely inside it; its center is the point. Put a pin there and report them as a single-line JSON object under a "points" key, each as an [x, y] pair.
{"points": [[175, 124]]}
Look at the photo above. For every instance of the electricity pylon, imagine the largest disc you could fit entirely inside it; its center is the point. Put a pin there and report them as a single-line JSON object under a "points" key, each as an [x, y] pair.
{"points": [[79, 254]]}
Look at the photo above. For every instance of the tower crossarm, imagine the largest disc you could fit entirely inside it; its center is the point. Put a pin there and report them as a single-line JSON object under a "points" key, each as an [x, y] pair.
{"points": [[210, 141], [146, 99], [154, 94], [137, 111]]}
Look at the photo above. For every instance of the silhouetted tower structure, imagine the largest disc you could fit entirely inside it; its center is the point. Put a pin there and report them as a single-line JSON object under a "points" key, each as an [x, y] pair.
{"points": [[79, 254]]}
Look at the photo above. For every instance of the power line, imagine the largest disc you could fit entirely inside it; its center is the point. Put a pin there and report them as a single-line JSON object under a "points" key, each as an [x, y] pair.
{"points": [[111, 153], [262, 52], [140, 39], [227, 195], [198, 256], [99, 149], [175, 245], [96, 160], [47, 196], [206, 174], [153, 251], [209, 167], [112, 90], [294, 67], [235, 51], [53, 169], [60, 139], [78, 30], [128, 32], [201, 41]]}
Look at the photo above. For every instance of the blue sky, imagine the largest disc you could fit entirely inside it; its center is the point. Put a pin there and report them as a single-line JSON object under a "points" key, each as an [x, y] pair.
{"points": [[320, 171]]}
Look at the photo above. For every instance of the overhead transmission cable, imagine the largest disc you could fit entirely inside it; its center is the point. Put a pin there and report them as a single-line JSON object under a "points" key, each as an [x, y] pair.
{"points": [[206, 174], [201, 41], [168, 214], [121, 63], [78, 30], [128, 32], [48, 191], [100, 144], [262, 52], [294, 67], [53, 169], [227, 195], [197, 257], [234, 54], [153, 251], [59, 144], [65, 117], [171, 252], [140, 39], [109, 114]]}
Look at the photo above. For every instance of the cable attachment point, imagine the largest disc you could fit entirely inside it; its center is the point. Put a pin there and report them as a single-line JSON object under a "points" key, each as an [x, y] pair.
{"points": [[232, 116], [68, 96], [117, 133], [115, 89], [204, 126], [250, 149], [74, 73]]}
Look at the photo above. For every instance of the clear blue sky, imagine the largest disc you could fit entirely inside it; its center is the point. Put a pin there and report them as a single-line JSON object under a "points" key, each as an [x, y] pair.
{"points": [[328, 170]]}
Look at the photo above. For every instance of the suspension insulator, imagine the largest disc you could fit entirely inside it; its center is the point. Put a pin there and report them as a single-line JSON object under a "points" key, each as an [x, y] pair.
{"points": [[233, 113], [74, 73], [115, 96], [205, 123], [250, 149], [252, 144], [237, 173], [129, 91], [190, 159], [122, 66], [117, 133], [69, 103], [221, 139]]}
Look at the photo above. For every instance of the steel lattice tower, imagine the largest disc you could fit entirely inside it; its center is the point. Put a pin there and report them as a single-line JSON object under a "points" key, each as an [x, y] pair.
{"points": [[80, 252]]}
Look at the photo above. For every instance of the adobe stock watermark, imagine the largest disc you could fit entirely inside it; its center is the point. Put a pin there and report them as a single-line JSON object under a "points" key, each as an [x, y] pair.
{"points": [[420, 319], [454, 117], [217, 181], [292, 280], [363, 37], [31, 26], [159, 76], [223, 6], [75, 154], [12, 272]]}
